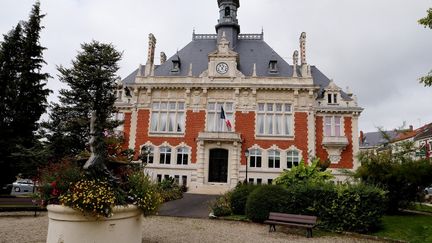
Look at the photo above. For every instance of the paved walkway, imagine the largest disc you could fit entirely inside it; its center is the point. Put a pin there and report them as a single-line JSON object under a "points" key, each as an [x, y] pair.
{"points": [[191, 206], [17, 227]]}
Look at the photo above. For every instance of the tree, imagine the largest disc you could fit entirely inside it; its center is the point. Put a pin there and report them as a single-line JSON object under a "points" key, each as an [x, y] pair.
{"points": [[23, 96], [91, 81], [427, 23], [303, 174]]}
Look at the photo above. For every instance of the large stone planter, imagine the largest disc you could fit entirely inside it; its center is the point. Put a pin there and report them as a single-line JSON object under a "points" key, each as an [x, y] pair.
{"points": [[68, 226]]}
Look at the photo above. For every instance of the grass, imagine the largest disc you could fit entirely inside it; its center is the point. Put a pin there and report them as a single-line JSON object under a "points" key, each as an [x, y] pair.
{"points": [[408, 227], [236, 217]]}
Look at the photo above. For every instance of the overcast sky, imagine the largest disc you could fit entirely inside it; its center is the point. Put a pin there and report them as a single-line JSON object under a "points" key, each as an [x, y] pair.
{"points": [[375, 47]]}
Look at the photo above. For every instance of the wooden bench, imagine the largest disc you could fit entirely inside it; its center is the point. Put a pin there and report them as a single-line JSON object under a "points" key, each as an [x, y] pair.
{"points": [[303, 221], [20, 203]]}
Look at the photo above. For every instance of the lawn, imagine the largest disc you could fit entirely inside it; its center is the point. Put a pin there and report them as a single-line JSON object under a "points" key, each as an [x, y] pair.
{"points": [[408, 227]]}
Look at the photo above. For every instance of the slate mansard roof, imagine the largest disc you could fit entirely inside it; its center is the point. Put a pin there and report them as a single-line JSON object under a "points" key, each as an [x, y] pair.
{"points": [[251, 51]]}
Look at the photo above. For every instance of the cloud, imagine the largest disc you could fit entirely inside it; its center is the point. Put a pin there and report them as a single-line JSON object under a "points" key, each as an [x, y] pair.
{"points": [[375, 47]]}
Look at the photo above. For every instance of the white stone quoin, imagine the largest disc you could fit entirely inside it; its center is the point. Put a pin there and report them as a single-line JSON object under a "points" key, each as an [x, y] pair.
{"points": [[67, 225]]}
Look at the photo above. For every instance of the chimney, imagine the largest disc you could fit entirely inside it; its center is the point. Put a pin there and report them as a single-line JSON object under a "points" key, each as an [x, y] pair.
{"points": [[411, 128], [163, 58], [305, 69], [361, 137], [150, 54], [295, 63], [303, 48]]}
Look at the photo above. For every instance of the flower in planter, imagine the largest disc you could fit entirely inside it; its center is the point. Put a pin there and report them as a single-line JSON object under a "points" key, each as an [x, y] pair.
{"points": [[93, 197]]}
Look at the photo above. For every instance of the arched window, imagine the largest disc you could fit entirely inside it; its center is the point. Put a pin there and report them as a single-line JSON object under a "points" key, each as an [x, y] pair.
{"points": [[255, 158], [293, 158], [165, 155], [274, 159], [227, 11], [182, 156], [147, 154]]}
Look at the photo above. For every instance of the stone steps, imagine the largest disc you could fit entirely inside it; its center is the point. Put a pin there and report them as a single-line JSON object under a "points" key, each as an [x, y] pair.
{"points": [[209, 189]]}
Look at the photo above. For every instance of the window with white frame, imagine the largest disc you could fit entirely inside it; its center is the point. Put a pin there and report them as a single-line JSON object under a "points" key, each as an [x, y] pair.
{"points": [[293, 158], [333, 126], [168, 117], [274, 119], [332, 98], [214, 121], [182, 156], [273, 159], [165, 155], [255, 158], [147, 153]]}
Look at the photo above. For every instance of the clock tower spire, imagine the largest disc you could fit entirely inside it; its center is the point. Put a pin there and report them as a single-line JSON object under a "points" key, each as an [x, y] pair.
{"points": [[228, 23]]}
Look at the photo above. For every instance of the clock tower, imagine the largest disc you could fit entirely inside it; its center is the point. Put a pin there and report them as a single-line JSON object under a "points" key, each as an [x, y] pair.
{"points": [[223, 62], [228, 23]]}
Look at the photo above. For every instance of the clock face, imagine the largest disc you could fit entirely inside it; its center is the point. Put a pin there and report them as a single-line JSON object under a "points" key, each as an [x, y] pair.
{"points": [[222, 68]]}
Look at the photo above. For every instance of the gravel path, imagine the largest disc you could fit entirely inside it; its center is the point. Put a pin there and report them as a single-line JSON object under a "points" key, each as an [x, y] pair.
{"points": [[23, 227]]}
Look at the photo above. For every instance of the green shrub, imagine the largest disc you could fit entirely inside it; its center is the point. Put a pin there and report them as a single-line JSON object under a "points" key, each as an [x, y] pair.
{"points": [[358, 208], [265, 199], [310, 199], [170, 190], [304, 173], [239, 197], [402, 177], [222, 206]]}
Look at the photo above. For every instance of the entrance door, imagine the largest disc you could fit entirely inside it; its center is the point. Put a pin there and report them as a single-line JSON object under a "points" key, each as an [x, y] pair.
{"points": [[218, 165]]}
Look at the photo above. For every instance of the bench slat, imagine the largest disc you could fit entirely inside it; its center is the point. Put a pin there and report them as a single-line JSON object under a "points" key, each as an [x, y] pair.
{"points": [[295, 220], [291, 224], [293, 216]]}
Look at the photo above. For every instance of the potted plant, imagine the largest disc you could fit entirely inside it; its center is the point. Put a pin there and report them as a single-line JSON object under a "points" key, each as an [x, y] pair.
{"points": [[97, 195]]}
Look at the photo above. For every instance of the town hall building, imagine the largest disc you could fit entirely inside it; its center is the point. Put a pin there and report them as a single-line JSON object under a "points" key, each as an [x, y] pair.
{"points": [[227, 108]]}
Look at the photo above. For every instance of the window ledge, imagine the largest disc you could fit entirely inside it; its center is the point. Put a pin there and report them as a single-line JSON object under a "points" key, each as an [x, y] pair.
{"points": [[159, 134], [219, 136], [270, 137], [335, 141]]}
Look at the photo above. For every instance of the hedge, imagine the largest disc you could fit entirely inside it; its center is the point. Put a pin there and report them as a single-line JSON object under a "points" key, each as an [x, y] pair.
{"points": [[356, 208], [239, 197], [265, 199]]}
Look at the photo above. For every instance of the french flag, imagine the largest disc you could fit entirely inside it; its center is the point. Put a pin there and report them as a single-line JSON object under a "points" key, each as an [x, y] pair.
{"points": [[223, 116]]}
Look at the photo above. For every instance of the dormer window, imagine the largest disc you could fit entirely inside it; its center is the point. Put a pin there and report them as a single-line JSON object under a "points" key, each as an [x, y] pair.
{"points": [[175, 65], [227, 11], [273, 66], [332, 98], [119, 94]]}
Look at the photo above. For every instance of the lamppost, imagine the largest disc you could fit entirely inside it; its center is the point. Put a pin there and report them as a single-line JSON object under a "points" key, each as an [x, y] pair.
{"points": [[247, 161]]}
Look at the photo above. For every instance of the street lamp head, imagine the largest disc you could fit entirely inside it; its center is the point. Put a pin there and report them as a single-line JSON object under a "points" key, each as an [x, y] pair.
{"points": [[247, 153]]}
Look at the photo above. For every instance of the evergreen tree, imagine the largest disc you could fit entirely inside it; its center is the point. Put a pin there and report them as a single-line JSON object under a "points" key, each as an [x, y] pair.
{"points": [[10, 59], [23, 95], [91, 81], [427, 23]]}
